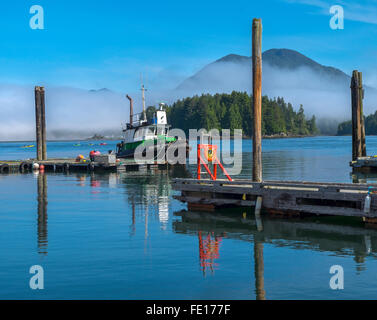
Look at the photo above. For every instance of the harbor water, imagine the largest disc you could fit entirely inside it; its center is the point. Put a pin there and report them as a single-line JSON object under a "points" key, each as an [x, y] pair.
{"points": [[124, 236]]}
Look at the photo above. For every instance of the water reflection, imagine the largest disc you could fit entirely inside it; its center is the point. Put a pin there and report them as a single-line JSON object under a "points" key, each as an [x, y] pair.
{"points": [[363, 177], [259, 270], [341, 237], [147, 191], [42, 213], [209, 251], [152, 190]]}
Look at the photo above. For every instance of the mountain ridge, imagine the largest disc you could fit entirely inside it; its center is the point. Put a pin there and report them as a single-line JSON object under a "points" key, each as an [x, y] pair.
{"points": [[287, 59]]}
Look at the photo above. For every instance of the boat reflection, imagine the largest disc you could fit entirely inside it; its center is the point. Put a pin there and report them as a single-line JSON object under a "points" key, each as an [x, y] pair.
{"points": [[150, 194], [148, 191]]}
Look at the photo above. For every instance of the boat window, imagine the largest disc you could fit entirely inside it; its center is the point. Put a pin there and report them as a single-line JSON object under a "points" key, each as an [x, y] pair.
{"points": [[160, 130]]}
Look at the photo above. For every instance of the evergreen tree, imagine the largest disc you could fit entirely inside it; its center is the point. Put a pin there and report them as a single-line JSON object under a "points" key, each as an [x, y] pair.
{"points": [[235, 118]]}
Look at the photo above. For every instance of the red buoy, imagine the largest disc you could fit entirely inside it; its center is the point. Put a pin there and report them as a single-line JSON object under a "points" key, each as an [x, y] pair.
{"points": [[93, 153]]}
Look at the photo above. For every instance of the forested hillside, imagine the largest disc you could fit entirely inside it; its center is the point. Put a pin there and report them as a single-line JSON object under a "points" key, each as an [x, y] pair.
{"points": [[234, 111], [345, 128]]}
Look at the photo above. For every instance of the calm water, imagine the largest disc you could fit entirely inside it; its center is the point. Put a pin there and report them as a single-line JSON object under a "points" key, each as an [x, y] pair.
{"points": [[123, 236]]}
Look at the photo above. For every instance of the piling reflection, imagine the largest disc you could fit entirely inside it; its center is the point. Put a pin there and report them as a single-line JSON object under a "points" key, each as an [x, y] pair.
{"points": [[363, 177], [133, 221], [342, 237], [42, 214], [259, 270]]}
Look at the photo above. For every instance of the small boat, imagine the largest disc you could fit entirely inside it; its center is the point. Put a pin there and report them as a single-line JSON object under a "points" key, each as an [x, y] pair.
{"points": [[77, 145], [28, 146], [103, 144], [90, 144]]}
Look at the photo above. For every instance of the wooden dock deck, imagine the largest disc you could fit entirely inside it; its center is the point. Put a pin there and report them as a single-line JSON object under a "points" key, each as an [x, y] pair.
{"points": [[286, 198], [70, 165], [365, 164]]}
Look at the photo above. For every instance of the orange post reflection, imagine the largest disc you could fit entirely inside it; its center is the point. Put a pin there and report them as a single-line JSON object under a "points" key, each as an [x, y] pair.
{"points": [[209, 247]]}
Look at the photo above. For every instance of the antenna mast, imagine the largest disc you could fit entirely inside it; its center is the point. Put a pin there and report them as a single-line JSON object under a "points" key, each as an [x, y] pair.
{"points": [[143, 97]]}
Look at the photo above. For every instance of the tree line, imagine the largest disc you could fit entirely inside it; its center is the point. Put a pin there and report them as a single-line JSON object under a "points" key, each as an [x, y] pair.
{"points": [[234, 111], [345, 128]]}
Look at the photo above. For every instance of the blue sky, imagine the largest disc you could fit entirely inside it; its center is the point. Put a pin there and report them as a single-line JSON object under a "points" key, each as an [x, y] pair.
{"points": [[95, 44]]}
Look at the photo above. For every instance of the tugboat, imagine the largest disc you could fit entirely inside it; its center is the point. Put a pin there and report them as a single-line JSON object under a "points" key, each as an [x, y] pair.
{"points": [[141, 131]]}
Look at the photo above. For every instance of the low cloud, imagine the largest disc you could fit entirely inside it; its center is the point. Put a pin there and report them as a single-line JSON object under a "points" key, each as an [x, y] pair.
{"points": [[81, 112], [325, 95], [76, 113]]}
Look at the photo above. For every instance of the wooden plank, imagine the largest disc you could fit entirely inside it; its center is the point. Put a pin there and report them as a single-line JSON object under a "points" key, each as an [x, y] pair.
{"points": [[313, 198], [345, 190], [277, 193], [201, 207], [264, 184], [216, 201]]}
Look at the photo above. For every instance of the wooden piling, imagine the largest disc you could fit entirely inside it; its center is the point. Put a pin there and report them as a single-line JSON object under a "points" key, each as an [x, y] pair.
{"points": [[259, 270], [356, 123], [43, 123], [257, 99], [362, 124], [38, 122]]}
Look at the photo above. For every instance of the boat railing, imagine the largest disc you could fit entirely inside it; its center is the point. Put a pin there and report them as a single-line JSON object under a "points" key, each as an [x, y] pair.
{"points": [[137, 120]]}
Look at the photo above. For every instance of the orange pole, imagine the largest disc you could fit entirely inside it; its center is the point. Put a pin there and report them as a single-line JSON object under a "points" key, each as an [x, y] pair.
{"points": [[225, 172], [207, 169]]}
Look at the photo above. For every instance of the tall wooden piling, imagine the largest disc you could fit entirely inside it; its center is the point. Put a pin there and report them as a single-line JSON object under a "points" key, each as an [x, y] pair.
{"points": [[38, 122], [43, 123], [257, 99], [362, 124], [356, 116]]}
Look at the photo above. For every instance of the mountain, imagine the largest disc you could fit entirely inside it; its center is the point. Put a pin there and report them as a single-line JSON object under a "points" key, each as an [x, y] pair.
{"points": [[290, 59], [283, 59], [103, 90], [324, 91]]}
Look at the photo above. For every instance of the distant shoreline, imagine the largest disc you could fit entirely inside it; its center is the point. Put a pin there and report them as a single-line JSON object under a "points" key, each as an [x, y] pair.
{"points": [[267, 137], [63, 140]]}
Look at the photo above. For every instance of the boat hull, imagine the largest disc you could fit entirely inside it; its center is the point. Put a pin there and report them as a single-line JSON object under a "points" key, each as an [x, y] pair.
{"points": [[130, 153]]}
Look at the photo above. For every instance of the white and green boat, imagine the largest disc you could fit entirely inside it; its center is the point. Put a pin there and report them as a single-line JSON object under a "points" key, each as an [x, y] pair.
{"points": [[140, 131]]}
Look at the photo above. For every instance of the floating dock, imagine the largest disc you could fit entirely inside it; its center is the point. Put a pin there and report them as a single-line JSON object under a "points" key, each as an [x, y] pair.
{"points": [[365, 164], [283, 198], [287, 198], [70, 165]]}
